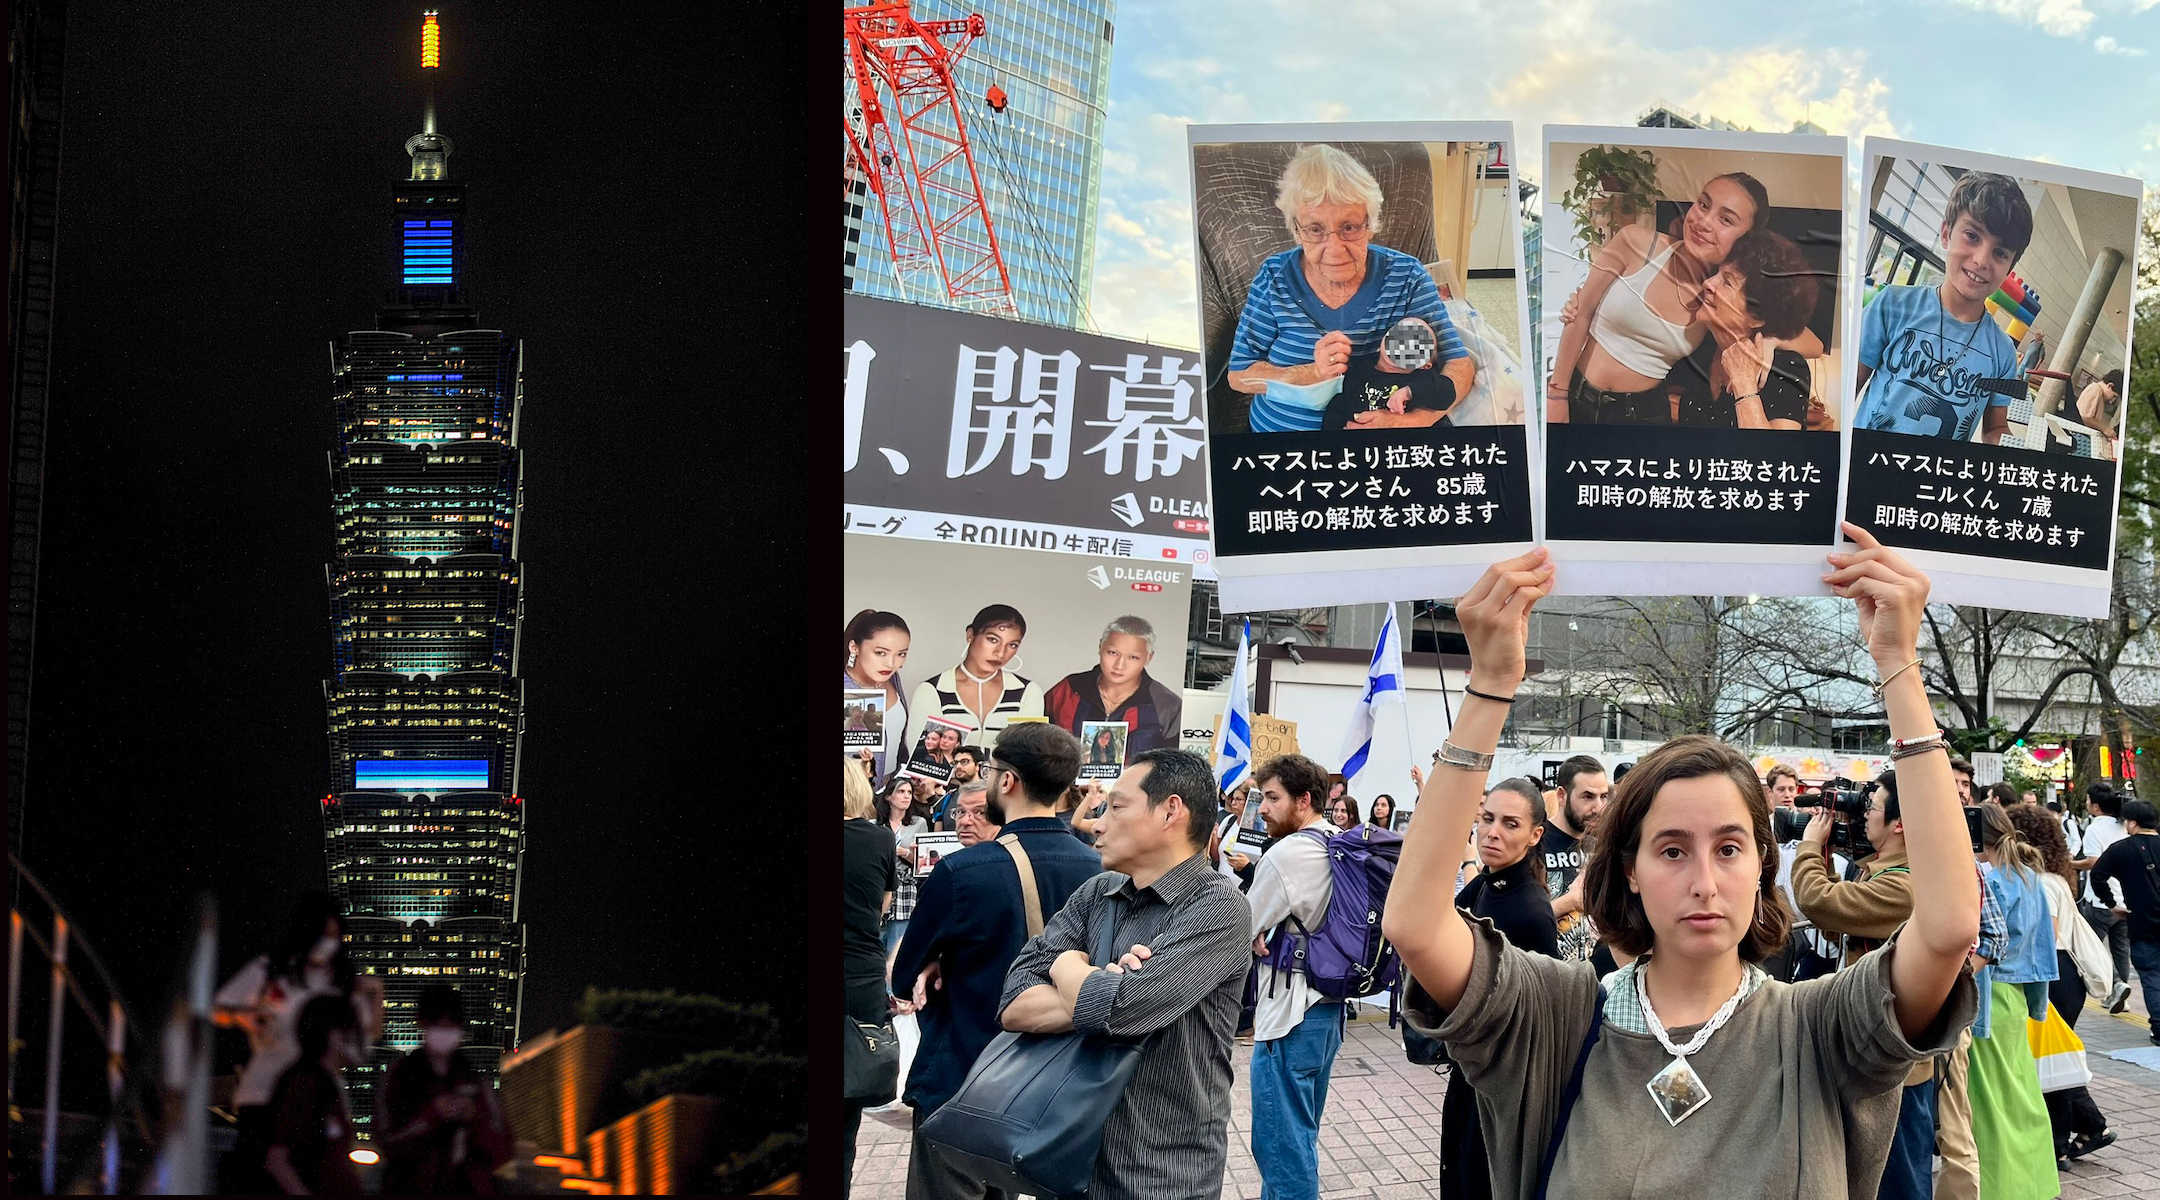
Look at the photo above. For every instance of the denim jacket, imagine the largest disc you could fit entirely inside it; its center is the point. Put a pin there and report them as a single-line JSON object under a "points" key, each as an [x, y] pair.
{"points": [[2028, 956]]}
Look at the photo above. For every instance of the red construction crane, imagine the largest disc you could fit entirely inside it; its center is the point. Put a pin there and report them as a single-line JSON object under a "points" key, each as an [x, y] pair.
{"points": [[907, 141]]}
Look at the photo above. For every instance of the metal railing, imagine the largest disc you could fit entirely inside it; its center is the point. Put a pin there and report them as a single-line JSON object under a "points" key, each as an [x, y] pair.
{"points": [[135, 1097]]}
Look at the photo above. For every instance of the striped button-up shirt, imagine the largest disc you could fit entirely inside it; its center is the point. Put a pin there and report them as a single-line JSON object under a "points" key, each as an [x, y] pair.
{"points": [[1169, 1135]]}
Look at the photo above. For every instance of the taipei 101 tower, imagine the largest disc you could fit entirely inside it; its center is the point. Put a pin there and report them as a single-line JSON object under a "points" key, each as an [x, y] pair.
{"points": [[422, 820]]}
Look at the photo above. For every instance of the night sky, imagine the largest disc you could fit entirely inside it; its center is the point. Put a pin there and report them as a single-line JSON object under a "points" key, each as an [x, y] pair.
{"points": [[224, 214]]}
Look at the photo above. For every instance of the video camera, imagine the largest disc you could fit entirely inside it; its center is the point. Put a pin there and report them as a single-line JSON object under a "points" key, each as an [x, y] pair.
{"points": [[1846, 802]]}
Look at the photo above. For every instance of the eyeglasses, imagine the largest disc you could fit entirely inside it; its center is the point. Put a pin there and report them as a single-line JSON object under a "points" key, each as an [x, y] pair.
{"points": [[1349, 234]]}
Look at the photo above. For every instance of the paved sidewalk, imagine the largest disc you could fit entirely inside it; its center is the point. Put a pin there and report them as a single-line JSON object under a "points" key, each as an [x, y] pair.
{"points": [[1383, 1122]]}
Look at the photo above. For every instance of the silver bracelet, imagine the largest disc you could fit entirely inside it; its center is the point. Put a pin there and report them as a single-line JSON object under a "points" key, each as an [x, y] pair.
{"points": [[1452, 755]]}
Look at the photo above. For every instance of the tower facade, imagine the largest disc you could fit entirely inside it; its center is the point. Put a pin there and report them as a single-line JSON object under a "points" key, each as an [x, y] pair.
{"points": [[1040, 160], [422, 820]]}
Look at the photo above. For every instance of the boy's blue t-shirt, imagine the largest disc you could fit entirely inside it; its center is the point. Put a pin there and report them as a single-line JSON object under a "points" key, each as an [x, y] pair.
{"points": [[1928, 365]]}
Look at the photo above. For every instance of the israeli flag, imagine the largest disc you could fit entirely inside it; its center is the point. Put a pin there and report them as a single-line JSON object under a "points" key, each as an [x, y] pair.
{"points": [[1383, 685], [1233, 742]]}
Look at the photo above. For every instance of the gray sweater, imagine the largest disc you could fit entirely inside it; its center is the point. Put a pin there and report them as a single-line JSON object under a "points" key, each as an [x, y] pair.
{"points": [[1804, 1081]]}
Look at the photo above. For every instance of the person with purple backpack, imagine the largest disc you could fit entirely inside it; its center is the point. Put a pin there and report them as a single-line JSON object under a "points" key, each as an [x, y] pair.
{"points": [[1296, 1028]]}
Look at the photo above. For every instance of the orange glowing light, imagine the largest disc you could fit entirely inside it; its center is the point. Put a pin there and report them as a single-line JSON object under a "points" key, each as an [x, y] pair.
{"points": [[366, 1158], [430, 43], [557, 1161]]}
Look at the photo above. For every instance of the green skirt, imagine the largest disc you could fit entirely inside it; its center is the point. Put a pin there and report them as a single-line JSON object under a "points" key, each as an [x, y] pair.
{"points": [[2010, 1120]]}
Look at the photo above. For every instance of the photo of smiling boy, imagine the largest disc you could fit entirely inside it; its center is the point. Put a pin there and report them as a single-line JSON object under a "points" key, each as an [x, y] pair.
{"points": [[1927, 353]]}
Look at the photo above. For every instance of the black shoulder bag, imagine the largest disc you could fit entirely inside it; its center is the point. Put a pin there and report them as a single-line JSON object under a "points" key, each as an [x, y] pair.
{"points": [[871, 1066], [1030, 1116]]}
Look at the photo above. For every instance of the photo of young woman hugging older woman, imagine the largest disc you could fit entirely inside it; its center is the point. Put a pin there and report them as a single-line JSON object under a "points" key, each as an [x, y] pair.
{"points": [[1714, 317]]}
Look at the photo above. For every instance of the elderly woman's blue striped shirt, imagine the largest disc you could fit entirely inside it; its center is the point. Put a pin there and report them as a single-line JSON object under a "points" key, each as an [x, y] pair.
{"points": [[1283, 320]]}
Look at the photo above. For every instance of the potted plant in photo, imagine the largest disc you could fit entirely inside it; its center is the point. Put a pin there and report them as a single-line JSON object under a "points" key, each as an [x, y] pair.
{"points": [[1612, 188]]}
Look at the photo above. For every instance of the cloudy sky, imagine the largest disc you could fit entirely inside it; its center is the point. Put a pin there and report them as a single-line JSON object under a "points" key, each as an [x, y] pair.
{"points": [[2071, 81]]}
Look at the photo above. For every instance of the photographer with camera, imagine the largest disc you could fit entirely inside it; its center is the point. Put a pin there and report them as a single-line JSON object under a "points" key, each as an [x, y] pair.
{"points": [[1862, 914], [1808, 953]]}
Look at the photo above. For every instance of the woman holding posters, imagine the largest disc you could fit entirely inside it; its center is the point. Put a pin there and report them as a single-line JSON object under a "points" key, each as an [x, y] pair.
{"points": [[979, 695], [877, 647], [1639, 313], [1805, 1076], [1320, 307]]}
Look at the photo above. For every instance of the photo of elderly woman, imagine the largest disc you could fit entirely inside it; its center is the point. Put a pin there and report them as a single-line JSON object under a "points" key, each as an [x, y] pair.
{"points": [[1701, 286], [1357, 285]]}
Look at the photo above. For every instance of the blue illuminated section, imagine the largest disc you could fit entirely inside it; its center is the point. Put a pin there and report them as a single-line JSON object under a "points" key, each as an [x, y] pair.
{"points": [[428, 253], [421, 774]]}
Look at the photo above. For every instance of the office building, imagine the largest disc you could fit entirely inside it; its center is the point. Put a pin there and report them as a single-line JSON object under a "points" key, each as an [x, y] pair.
{"points": [[423, 823]]}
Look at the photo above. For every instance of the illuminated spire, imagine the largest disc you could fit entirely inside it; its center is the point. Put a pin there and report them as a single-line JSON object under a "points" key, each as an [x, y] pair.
{"points": [[430, 150]]}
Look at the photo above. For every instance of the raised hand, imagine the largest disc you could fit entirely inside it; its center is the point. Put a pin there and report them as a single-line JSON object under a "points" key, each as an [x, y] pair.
{"points": [[1890, 593], [1495, 618]]}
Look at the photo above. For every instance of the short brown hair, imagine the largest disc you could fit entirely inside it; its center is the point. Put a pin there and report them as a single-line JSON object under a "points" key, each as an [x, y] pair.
{"points": [[1619, 911], [1045, 759], [1780, 284], [1780, 771], [1299, 776], [1997, 204]]}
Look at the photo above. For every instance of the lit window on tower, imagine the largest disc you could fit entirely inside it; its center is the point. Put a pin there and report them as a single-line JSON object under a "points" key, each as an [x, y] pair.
{"points": [[428, 252]]}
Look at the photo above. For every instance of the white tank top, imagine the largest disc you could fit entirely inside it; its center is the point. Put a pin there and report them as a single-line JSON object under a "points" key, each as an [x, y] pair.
{"points": [[1636, 337]]}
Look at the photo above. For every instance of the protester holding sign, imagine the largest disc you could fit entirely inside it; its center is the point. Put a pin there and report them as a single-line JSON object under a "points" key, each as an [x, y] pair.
{"points": [[1684, 877], [896, 813]]}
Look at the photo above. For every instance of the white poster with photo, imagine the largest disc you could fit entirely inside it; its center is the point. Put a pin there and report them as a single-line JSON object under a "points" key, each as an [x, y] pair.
{"points": [[932, 757], [1102, 749], [931, 849], [862, 719], [1694, 359], [1363, 318], [1993, 335]]}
